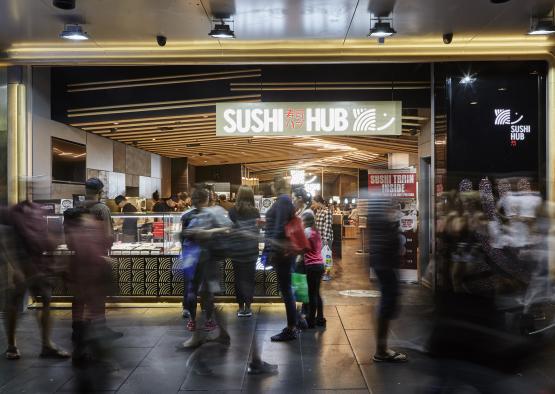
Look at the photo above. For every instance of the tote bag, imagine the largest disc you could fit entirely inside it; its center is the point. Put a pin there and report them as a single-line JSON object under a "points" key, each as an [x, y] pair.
{"points": [[300, 287], [294, 232]]}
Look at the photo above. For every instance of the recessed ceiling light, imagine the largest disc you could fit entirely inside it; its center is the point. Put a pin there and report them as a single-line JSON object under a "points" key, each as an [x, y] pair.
{"points": [[222, 30], [73, 32], [473, 102], [154, 139], [467, 79], [116, 122], [502, 89]]}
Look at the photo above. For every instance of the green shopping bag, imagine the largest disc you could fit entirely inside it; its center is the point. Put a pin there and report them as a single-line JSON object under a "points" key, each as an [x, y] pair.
{"points": [[300, 287]]}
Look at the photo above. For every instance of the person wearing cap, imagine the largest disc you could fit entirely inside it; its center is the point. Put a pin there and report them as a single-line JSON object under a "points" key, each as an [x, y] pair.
{"points": [[93, 192], [129, 228]]}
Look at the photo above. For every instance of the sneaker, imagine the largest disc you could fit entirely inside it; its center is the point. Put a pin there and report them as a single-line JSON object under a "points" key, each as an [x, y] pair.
{"points": [[186, 314], [196, 340], [191, 325], [245, 312], [286, 334], [261, 368], [326, 277], [321, 322], [210, 325]]}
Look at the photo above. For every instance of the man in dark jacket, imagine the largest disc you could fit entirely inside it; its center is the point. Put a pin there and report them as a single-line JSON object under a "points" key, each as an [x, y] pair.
{"points": [[277, 217], [384, 251]]}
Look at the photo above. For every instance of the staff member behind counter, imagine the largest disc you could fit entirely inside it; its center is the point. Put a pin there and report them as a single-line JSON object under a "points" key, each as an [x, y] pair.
{"points": [[129, 227], [169, 205]]}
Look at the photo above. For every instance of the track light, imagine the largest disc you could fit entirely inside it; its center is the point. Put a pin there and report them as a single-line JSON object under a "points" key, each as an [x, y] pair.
{"points": [[222, 30], [382, 30], [74, 32]]}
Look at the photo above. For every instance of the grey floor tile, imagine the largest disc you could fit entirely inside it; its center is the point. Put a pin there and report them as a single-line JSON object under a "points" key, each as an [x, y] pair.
{"points": [[119, 365], [140, 336], [331, 367], [38, 380], [363, 344], [161, 379], [333, 334], [356, 317], [288, 379]]}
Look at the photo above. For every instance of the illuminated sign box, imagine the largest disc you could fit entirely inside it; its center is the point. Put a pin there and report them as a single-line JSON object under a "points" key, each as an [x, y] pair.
{"points": [[309, 118]]}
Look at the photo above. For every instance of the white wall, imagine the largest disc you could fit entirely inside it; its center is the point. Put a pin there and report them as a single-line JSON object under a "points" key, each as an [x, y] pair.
{"points": [[155, 166], [100, 153]]}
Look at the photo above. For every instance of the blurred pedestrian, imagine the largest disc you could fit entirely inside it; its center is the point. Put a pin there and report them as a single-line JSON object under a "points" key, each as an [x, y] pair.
{"points": [[277, 217], [384, 254], [23, 240], [224, 203], [244, 248], [204, 229]]}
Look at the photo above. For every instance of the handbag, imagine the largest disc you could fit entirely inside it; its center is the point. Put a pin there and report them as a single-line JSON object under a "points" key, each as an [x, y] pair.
{"points": [[300, 287], [294, 232]]}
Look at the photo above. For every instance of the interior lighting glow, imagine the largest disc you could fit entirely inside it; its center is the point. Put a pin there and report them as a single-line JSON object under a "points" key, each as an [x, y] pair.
{"points": [[381, 30], [222, 30], [542, 28], [467, 79], [74, 32]]}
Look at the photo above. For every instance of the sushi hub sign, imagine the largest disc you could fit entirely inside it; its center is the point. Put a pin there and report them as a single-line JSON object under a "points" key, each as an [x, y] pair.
{"points": [[394, 183], [308, 118]]}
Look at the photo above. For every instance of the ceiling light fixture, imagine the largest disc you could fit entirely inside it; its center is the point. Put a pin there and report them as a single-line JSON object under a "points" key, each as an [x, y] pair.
{"points": [[381, 28], [74, 32], [222, 30], [467, 79]]}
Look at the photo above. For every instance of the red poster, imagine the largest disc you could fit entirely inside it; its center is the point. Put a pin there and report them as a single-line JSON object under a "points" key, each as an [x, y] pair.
{"points": [[395, 183]]}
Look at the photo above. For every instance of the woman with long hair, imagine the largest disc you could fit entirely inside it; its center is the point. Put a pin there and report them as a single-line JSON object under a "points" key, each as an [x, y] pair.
{"points": [[244, 216]]}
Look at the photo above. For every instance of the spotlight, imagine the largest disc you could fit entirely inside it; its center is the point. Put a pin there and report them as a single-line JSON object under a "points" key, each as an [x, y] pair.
{"points": [[467, 79], [447, 38], [542, 27], [381, 30], [74, 32], [161, 40], [64, 4], [222, 30]]}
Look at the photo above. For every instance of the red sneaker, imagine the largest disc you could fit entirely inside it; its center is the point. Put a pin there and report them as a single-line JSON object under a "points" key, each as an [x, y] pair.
{"points": [[191, 325], [210, 325]]}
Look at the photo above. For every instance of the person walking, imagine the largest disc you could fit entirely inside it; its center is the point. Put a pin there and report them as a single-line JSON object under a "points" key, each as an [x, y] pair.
{"points": [[23, 239], [314, 269], [244, 248], [279, 256], [385, 258]]}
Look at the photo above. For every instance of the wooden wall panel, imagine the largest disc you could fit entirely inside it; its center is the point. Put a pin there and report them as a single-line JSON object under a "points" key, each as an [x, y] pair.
{"points": [[179, 175]]}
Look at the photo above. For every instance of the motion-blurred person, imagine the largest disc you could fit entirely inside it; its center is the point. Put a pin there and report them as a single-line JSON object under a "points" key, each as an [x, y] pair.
{"points": [[91, 279], [277, 217], [23, 240], [244, 248], [324, 225], [314, 269], [224, 203], [302, 201], [129, 227], [93, 192], [203, 229], [384, 254], [184, 203]]}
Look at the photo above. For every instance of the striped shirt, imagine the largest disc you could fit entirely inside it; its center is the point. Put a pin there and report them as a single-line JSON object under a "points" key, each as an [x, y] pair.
{"points": [[324, 224]]}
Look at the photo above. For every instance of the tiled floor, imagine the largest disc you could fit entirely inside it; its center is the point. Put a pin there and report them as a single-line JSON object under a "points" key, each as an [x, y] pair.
{"points": [[148, 359]]}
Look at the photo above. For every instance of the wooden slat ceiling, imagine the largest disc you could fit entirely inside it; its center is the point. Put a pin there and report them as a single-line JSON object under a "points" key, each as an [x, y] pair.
{"points": [[185, 125]]}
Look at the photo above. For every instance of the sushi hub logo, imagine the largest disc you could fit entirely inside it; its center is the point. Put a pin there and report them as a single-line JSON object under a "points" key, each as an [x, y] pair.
{"points": [[513, 122]]}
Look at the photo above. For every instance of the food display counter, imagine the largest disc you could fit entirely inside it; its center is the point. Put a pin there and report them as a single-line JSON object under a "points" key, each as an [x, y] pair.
{"points": [[145, 258]]}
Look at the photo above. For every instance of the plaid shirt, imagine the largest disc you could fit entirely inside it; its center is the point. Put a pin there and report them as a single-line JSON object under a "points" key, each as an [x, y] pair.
{"points": [[323, 224]]}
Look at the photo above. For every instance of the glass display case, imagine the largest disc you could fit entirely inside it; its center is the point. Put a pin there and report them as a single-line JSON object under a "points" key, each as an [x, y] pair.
{"points": [[143, 234]]}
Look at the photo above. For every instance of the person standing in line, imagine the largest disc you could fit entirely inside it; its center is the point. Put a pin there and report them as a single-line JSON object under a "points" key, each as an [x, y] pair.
{"points": [[244, 248], [279, 256], [314, 268], [324, 225], [385, 258]]}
